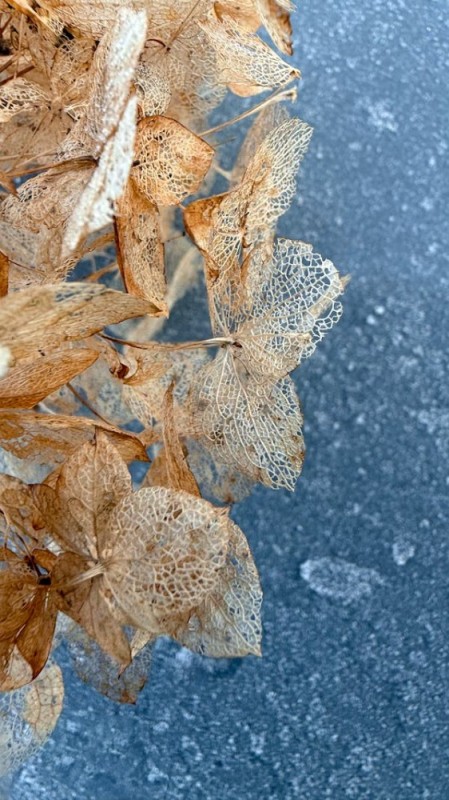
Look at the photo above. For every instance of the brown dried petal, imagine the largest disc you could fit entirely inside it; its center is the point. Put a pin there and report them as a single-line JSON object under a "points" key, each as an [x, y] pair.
{"points": [[254, 427], [27, 622], [228, 624], [228, 227], [179, 475], [140, 252], [170, 161], [92, 17], [165, 553], [29, 383], [28, 716], [49, 438], [90, 484], [245, 63], [293, 305], [21, 95], [43, 317], [153, 89], [96, 205], [86, 604], [100, 671], [275, 16], [18, 506]]}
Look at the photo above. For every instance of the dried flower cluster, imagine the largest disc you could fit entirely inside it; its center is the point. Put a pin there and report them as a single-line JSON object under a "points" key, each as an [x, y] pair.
{"points": [[103, 129]]}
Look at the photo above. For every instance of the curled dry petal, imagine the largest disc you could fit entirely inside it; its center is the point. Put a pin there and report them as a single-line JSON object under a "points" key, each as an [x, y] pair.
{"points": [[95, 207], [170, 468], [28, 384], [43, 317], [140, 252], [48, 439], [27, 623], [112, 71]]}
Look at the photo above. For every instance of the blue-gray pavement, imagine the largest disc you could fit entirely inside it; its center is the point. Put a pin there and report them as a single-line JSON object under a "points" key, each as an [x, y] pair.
{"points": [[351, 697]]}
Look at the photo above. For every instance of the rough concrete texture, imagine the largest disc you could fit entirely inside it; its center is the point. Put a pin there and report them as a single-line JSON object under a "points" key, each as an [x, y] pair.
{"points": [[351, 697]]}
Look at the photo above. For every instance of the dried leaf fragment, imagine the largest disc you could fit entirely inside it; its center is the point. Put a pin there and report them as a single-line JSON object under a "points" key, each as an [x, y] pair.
{"points": [[170, 467], [140, 252], [96, 205], [28, 717], [246, 64], [101, 672], [27, 621], [170, 161], [48, 439], [44, 317], [228, 624], [29, 383]]}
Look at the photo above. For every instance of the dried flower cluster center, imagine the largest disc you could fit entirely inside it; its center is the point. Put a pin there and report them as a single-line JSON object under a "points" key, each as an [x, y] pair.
{"points": [[114, 200]]}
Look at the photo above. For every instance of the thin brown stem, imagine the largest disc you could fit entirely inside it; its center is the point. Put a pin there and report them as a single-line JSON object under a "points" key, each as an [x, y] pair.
{"points": [[87, 404], [58, 166], [277, 97], [216, 342], [182, 25], [100, 272], [3, 27], [93, 572], [17, 74]]}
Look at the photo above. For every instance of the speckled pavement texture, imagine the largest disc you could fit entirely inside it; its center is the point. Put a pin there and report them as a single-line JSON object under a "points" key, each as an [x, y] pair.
{"points": [[351, 697]]}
